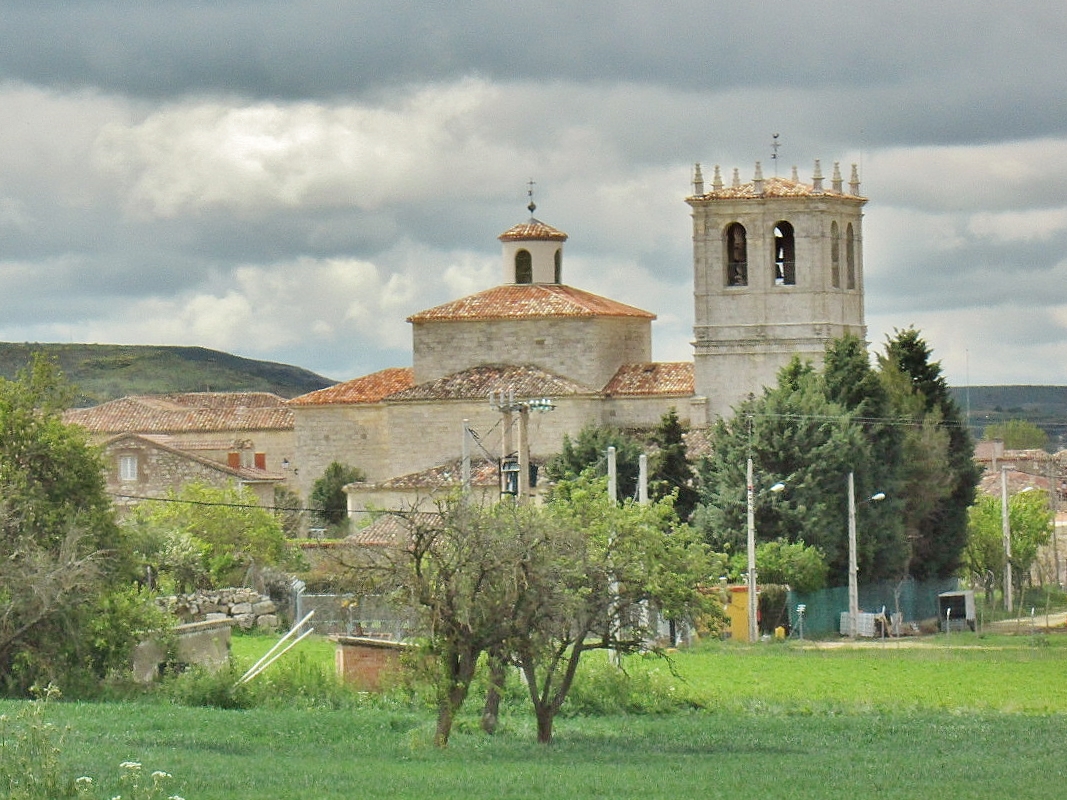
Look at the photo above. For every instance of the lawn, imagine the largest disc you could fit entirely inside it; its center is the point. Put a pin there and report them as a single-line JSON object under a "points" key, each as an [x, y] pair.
{"points": [[957, 718]]}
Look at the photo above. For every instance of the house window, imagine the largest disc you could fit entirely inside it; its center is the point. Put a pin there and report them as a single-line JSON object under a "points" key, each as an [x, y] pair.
{"points": [[558, 277], [523, 267], [736, 255], [127, 468], [850, 258], [785, 257], [835, 255]]}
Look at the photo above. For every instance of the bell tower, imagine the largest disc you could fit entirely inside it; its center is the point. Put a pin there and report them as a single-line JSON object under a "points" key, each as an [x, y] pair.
{"points": [[777, 271], [533, 251]]}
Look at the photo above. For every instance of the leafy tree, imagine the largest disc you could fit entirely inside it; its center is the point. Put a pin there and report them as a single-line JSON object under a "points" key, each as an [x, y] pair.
{"points": [[328, 496], [538, 586], [289, 511], [795, 435], [590, 449], [606, 564], [63, 560], [203, 536], [1031, 522], [792, 564], [1017, 434], [670, 470], [852, 384], [465, 568], [938, 471]]}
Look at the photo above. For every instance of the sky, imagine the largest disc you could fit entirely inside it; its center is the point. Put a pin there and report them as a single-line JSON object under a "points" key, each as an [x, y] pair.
{"points": [[289, 180]]}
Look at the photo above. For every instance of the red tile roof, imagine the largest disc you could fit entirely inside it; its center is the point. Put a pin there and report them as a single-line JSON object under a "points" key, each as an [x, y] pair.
{"points": [[772, 187], [529, 301], [654, 378], [368, 389], [533, 229], [483, 473], [476, 383], [189, 412], [389, 530]]}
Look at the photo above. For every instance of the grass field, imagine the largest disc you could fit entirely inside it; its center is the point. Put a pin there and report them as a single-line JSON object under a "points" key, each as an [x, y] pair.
{"points": [[957, 718]]}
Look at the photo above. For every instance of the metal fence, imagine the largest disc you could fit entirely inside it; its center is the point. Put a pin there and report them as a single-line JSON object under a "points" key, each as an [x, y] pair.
{"points": [[349, 615], [914, 600]]}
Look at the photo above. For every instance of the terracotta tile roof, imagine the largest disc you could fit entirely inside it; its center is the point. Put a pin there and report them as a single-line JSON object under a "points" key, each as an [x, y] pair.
{"points": [[532, 229], [368, 389], [392, 529], [653, 378], [246, 474], [529, 301], [772, 187], [476, 384], [483, 473], [189, 412]]}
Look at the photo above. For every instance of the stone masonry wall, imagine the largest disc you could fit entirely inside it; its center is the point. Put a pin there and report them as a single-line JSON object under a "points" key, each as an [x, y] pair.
{"points": [[245, 608]]}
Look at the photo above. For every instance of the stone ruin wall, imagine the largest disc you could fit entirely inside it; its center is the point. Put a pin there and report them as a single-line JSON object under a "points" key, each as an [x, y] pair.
{"points": [[245, 608]]}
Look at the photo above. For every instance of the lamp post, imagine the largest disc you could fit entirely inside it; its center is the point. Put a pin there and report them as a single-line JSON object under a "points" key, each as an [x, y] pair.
{"points": [[753, 632], [853, 560]]}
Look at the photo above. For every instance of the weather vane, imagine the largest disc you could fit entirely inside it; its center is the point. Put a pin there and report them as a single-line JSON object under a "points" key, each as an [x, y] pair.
{"points": [[529, 192], [774, 153]]}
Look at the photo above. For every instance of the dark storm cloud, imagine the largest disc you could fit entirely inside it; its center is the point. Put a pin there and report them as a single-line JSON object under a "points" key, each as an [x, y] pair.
{"points": [[290, 180]]}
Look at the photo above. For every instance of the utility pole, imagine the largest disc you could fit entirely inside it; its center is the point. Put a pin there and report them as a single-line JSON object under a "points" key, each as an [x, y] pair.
{"points": [[1005, 524], [853, 561], [517, 460]]}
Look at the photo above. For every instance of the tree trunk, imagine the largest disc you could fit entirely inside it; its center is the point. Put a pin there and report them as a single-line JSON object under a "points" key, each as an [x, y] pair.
{"points": [[450, 696], [545, 716], [491, 710]]}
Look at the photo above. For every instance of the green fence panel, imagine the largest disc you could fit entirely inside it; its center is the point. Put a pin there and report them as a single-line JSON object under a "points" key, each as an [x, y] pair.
{"points": [[915, 600]]}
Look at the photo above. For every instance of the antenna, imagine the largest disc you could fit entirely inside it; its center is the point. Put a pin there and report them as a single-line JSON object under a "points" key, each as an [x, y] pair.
{"points": [[774, 152], [529, 192]]}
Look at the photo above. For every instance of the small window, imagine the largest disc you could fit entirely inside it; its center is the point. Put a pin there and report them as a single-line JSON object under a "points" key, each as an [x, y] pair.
{"points": [[736, 255], [835, 255], [785, 259], [850, 258], [127, 468], [558, 276], [523, 267]]}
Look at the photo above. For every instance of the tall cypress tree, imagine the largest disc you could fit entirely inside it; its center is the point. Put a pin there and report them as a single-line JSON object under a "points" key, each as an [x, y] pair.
{"points": [[942, 488], [671, 470]]}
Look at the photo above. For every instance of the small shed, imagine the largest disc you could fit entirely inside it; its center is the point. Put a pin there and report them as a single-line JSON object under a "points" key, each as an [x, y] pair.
{"points": [[955, 610], [368, 662]]}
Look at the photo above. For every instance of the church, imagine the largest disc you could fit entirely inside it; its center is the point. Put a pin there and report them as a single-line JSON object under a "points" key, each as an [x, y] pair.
{"points": [[506, 372]]}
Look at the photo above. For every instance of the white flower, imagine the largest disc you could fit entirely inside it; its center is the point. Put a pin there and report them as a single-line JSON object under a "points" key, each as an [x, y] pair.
{"points": [[160, 775], [132, 765], [84, 780]]}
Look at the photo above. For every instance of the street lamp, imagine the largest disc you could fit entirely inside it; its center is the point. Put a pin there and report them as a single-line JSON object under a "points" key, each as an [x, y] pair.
{"points": [[853, 561], [752, 629]]}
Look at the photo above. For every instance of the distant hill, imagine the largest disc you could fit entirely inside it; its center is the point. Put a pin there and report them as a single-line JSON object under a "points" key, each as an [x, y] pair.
{"points": [[104, 372], [1045, 406]]}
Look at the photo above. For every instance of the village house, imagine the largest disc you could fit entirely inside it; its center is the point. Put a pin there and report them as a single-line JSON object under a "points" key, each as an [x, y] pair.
{"points": [[155, 444]]}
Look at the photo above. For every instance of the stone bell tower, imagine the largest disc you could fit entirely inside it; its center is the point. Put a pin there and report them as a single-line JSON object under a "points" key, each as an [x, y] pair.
{"points": [[777, 271]]}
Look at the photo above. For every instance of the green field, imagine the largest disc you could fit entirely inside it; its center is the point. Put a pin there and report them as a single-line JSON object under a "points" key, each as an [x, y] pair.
{"points": [[965, 717]]}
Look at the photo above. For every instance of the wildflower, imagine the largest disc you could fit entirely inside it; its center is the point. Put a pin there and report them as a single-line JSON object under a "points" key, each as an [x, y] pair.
{"points": [[130, 765], [160, 775]]}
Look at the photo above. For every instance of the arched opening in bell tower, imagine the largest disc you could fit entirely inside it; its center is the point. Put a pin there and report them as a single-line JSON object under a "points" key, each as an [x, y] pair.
{"points": [[850, 258], [835, 255], [736, 255], [523, 267], [785, 257]]}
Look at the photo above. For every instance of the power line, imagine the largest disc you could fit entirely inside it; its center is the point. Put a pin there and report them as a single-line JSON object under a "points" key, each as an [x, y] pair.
{"points": [[220, 504]]}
